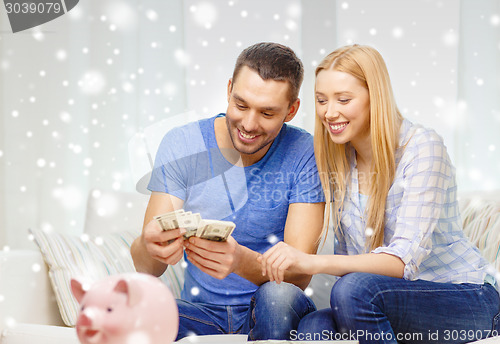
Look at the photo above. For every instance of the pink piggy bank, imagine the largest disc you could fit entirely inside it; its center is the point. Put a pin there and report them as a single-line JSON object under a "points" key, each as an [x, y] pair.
{"points": [[126, 308]]}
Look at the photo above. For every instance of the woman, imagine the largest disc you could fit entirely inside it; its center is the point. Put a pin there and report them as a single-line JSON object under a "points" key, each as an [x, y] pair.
{"points": [[408, 274]]}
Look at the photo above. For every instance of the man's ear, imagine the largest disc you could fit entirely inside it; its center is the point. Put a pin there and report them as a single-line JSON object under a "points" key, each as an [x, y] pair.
{"points": [[229, 89], [292, 110]]}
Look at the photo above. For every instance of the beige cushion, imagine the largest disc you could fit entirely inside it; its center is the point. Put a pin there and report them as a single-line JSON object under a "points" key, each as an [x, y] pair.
{"points": [[481, 220]]}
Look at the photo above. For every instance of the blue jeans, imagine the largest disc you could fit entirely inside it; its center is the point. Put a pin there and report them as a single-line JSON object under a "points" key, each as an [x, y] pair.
{"points": [[380, 309], [274, 311]]}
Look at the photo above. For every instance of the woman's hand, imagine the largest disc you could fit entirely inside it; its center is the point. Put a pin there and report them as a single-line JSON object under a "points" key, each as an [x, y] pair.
{"points": [[281, 258]]}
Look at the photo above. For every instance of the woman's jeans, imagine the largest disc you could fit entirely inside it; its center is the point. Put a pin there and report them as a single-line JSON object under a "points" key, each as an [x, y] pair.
{"points": [[273, 313], [380, 309]]}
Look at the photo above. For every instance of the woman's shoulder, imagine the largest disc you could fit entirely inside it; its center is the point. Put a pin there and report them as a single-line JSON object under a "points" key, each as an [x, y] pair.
{"points": [[414, 134], [418, 141]]}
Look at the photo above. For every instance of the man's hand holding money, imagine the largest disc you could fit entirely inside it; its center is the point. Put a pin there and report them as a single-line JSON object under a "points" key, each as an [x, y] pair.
{"points": [[213, 230], [216, 258], [164, 246], [208, 243]]}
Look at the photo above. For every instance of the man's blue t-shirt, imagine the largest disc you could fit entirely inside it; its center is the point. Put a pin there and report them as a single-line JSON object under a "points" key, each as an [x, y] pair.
{"points": [[190, 166]]}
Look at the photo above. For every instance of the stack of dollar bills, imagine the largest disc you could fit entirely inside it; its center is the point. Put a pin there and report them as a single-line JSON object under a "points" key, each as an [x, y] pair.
{"points": [[214, 230]]}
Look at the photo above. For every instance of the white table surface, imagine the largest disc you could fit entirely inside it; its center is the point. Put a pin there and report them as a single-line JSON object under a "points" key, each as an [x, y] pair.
{"points": [[242, 339]]}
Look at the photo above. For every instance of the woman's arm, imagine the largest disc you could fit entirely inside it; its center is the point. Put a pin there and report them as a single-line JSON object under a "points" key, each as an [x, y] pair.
{"points": [[283, 257], [375, 263]]}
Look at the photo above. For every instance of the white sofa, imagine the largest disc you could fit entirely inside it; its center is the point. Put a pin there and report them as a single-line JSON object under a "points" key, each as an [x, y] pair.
{"points": [[29, 312]]}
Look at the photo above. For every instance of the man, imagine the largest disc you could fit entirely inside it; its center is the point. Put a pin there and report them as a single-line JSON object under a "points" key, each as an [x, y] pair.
{"points": [[248, 167]]}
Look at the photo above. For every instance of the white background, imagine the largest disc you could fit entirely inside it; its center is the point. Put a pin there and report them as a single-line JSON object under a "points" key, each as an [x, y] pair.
{"points": [[74, 91]]}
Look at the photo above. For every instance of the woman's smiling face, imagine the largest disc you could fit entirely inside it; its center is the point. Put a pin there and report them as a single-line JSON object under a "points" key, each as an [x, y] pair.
{"points": [[343, 105]]}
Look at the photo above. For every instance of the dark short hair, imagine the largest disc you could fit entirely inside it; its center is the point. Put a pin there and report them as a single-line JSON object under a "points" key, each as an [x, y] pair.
{"points": [[273, 61]]}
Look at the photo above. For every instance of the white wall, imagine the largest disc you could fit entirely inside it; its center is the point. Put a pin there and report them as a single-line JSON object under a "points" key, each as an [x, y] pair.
{"points": [[477, 135], [73, 94], [75, 90]]}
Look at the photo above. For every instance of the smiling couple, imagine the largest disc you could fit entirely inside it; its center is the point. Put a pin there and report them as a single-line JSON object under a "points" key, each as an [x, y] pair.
{"points": [[391, 198]]}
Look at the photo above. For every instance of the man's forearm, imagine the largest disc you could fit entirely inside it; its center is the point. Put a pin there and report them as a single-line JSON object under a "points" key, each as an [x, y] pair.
{"points": [[250, 269], [301, 281]]}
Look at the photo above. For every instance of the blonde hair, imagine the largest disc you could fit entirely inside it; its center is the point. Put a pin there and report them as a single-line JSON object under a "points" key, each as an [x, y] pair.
{"points": [[333, 160]]}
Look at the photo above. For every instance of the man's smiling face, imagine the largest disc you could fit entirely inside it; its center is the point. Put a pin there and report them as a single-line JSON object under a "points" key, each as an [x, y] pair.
{"points": [[256, 112]]}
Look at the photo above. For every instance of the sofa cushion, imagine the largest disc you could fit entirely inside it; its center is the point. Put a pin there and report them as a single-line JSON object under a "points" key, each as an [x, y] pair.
{"points": [[481, 222], [91, 258]]}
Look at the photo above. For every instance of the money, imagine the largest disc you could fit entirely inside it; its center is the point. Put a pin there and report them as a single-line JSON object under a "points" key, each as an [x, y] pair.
{"points": [[214, 230], [169, 220]]}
